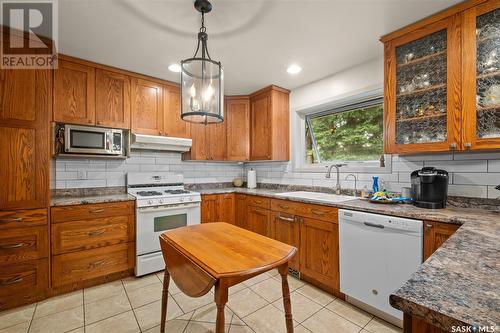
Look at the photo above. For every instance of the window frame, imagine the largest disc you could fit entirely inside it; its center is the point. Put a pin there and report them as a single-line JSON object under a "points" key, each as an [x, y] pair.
{"points": [[298, 126]]}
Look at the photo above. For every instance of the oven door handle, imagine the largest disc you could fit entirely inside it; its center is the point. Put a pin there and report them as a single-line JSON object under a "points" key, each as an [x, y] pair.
{"points": [[166, 208]]}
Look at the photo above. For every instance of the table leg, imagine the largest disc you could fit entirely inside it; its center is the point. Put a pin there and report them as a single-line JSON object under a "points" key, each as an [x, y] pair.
{"points": [[283, 270], [164, 300], [221, 291]]}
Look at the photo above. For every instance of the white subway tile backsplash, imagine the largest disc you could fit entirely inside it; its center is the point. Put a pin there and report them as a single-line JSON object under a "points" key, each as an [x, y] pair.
{"points": [[86, 183], [140, 160], [475, 178], [468, 191], [72, 166], [493, 193], [403, 165], [494, 166], [461, 166]]}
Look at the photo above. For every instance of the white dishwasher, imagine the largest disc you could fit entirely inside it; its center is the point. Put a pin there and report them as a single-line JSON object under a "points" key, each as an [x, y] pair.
{"points": [[378, 254]]}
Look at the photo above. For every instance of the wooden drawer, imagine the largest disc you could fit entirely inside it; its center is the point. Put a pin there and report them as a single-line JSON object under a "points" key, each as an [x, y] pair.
{"points": [[257, 201], [90, 234], [22, 218], [22, 279], [91, 211], [85, 265], [319, 212], [22, 244], [285, 206]]}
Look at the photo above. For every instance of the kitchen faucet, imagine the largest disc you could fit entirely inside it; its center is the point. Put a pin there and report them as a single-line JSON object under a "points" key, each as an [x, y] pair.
{"points": [[355, 183], [328, 175]]}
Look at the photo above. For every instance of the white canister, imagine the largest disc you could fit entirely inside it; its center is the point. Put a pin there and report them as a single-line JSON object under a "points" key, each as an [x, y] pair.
{"points": [[252, 179]]}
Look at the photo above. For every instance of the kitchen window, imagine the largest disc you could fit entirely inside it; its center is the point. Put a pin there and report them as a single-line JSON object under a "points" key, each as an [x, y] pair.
{"points": [[352, 133]]}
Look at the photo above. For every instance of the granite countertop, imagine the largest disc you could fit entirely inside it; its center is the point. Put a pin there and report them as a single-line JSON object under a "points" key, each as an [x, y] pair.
{"points": [[448, 215], [459, 284], [82, 200]]}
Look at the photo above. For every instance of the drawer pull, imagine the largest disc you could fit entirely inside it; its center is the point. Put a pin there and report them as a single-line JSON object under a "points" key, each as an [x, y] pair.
{"points": [[6, 283], [318, 212], [97, 211], [288, 219], [17, 219], [96, 233], [12, 246], [284, 206]]}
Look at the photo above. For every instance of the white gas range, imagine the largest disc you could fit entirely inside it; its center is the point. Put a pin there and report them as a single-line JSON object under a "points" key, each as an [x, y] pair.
{"points": [[162, 204]]}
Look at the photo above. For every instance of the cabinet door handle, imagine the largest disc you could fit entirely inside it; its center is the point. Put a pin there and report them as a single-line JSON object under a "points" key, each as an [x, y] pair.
{"points": [[16, 219], [284, 206], [95, 211], [288, 219], [429, 226], [96, 232], [453, 146], [11, 246], [6, 283], [468, 145]]}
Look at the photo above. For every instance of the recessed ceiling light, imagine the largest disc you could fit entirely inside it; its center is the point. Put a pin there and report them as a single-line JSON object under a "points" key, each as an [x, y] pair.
{"points": [[176, 68], [294, 69]]}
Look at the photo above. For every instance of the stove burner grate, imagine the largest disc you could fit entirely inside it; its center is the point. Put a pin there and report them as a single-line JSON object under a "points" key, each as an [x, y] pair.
{"points": [[176, 192], [148, 193]]}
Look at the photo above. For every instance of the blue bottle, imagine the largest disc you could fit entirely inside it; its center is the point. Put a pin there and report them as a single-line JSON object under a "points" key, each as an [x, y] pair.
{"points": [[375, 184]]}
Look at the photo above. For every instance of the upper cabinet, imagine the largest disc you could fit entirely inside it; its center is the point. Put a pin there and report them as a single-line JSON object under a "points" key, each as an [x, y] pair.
{"points": [[442, 82], [112, 92], [269, 124], [74, 93], [147, 107], [173, 125], [481, 76], [422, 89], [237, 117]]}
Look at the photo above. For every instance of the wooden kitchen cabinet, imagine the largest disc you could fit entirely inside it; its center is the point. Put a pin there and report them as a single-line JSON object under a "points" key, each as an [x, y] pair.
{"points": [[173, 125], [74, 93], [25, 107], [209, 142], [258, 220], [481, 76], [240, 211], [91, 241], [218, 208], [112, 104], [269, 124], [147, 107], [319, 252], [286, 228], [237, 118], [441, 82], [435, 234]]}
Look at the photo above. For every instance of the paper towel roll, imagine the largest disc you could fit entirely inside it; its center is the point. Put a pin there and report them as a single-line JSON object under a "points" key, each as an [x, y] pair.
{"points": [[252, 179]]}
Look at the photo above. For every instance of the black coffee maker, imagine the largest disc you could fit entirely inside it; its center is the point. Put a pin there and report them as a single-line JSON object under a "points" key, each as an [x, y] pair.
{"points": [[429, 187]]}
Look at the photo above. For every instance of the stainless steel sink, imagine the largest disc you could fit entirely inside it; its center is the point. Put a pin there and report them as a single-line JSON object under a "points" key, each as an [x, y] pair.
{"points": [[317, 196]]}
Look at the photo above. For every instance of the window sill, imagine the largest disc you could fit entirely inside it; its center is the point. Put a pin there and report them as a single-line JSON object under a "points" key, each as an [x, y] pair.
{"points": [[352, 167]]}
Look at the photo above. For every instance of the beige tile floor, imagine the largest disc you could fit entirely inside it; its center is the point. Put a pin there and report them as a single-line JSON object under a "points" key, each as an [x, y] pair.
{"points": [[133, 305]]}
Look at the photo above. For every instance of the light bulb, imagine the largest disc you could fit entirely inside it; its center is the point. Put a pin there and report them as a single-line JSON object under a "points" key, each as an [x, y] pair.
{"points": [[208, 93], [192, 91]]}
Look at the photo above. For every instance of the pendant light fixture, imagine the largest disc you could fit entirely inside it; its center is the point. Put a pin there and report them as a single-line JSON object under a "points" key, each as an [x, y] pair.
{"points": [[202, 80]]}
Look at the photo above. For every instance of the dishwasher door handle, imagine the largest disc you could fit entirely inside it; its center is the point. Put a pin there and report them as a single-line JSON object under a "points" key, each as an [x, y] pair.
{"points": [[369, 224]]}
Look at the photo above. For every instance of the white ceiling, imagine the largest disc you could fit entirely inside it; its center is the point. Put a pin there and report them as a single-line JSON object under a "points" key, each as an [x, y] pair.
{"points": [[254, 39]]}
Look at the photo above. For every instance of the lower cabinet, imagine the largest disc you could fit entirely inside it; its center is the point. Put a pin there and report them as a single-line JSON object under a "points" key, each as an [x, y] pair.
{"points": [[24, 252], [218, 208], [240, 210], [435, 234], [258, 220], [319, 252], [286, 228], [91, 242]]}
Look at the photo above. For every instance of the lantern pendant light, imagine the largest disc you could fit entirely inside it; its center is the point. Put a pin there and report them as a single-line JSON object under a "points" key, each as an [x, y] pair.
{"points": [[202, 80]]}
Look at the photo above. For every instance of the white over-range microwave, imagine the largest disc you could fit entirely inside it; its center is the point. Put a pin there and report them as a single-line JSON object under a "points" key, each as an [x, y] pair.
{"points": [[89, 140]]}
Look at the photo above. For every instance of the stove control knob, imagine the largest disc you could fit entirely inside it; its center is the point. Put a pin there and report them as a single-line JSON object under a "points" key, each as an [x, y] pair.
{"points": [[190, 198], [160, 201], [181, 199], [150, 202]]}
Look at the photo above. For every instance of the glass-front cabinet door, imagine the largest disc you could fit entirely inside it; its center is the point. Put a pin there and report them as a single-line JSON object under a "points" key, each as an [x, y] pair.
{"points": [[422, 89], [481, 76]]}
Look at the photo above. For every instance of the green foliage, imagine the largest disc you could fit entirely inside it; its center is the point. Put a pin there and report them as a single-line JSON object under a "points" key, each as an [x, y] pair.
{"points": [[349, 136]]}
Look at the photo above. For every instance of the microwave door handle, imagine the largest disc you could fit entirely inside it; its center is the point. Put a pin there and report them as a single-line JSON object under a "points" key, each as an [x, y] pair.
{"points": [[166, 208], [108, 140]]}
